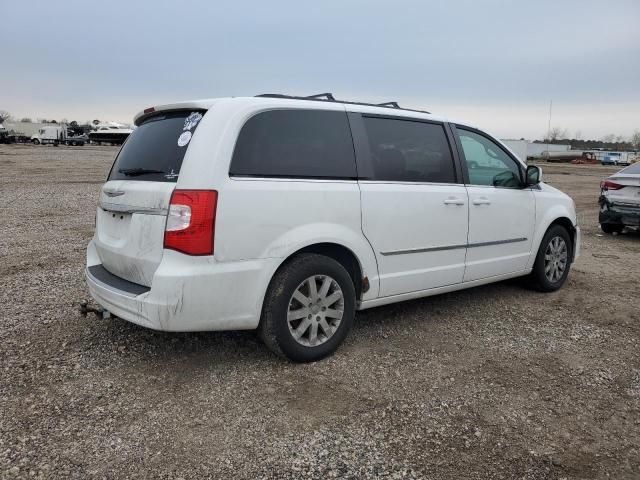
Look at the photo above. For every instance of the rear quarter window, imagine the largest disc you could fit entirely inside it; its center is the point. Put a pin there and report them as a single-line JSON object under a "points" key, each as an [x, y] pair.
{"points": [[154, 151], [295, 144]]}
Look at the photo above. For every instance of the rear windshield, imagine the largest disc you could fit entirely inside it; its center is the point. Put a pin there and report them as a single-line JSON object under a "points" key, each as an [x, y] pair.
{"points": [[635, 168], [154, 151]]}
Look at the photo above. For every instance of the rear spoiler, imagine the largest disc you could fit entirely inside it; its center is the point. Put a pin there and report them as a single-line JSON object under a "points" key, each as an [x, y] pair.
{"points": [[172, 107]]}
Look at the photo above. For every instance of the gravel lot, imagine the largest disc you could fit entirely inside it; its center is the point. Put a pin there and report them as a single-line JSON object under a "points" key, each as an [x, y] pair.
{"points": [[493, 382]]}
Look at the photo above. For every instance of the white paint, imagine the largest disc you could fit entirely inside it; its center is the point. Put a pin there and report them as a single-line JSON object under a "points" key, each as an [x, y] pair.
{"points": [[261, 222]]}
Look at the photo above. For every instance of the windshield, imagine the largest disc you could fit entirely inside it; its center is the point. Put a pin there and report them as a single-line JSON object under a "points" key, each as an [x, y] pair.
{"points": [[155, 150]]}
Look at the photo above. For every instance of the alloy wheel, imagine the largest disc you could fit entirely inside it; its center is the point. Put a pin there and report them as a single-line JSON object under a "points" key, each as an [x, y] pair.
{"points": [[315, 310], [555, 259]]}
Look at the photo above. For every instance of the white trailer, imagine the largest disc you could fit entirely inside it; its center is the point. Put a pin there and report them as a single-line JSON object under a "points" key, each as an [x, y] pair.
{"points": [[55, 135]]}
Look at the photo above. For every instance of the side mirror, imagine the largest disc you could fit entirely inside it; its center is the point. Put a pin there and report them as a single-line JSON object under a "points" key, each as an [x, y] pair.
{"points": [[534, 175], [507, 179]]}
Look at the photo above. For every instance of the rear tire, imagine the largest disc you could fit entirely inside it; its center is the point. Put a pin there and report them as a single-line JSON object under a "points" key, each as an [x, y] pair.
{"points": [[305, 323], [553, 261], [611, 228]]}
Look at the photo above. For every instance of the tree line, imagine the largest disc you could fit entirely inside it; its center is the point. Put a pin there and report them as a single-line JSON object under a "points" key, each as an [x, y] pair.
{"points": [[560, 136]]}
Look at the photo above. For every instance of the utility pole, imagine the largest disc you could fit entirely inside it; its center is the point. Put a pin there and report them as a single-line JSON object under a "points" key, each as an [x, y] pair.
{"points": [[549, 125], [549, 128]]}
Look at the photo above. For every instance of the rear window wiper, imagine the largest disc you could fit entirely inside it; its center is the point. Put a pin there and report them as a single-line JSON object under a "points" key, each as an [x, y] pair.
{"points": [[134, 172]]}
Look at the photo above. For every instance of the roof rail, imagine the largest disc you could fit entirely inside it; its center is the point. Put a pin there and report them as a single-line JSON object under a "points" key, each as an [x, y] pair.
{"points": [[328, 97]]}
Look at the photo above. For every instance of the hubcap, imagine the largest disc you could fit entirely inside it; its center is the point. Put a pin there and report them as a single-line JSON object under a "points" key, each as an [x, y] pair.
{"points": [[555, 259], [315, 310]]}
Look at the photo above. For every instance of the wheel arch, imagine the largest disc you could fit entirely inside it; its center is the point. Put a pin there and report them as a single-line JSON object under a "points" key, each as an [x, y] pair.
{"points": [[341, 254], [560, 218]]}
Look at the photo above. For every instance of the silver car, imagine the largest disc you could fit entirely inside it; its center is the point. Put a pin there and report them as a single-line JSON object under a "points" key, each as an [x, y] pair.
{"points": [[620, 200]]}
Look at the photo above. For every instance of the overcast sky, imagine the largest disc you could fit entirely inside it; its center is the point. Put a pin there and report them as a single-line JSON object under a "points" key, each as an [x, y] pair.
{"points": [[494, 63]]}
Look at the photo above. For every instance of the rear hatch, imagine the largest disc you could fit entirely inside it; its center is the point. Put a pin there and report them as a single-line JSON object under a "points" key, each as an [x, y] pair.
{"points": [[132, 213]]}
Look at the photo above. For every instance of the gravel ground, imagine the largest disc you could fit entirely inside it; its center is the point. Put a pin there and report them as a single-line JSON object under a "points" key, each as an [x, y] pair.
{"points": [[493, 382]]}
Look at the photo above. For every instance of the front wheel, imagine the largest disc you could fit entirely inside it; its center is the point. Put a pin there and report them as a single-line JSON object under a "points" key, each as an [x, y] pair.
{"points": [[308, 309], [36, 141], [551, 267]]}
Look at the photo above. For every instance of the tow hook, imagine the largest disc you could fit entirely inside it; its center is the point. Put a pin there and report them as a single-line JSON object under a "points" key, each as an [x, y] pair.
{"points": [[100, 312]]}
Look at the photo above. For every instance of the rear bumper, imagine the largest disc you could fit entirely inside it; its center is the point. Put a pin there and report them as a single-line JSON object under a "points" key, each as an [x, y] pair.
{"points": [[187, 293], [617, 214]]}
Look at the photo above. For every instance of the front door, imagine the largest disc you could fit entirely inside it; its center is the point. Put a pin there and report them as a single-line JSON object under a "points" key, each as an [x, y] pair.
{"points": [[414, 211], [501, 211]]}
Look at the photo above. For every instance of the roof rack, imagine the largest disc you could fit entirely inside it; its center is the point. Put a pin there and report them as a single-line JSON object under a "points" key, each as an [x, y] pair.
{"points": [[328, 97]]}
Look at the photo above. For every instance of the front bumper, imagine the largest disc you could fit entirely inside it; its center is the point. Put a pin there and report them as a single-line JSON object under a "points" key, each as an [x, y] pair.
{"points": [[618, 214], [187, 293]]}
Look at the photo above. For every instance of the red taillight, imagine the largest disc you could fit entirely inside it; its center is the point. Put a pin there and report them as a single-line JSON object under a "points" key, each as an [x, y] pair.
{"points": [[191, 221], [149, 110], [609, 185]]}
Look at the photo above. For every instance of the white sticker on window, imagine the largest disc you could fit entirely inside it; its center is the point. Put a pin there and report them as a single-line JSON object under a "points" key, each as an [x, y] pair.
{"points": [[184, 138], [171, 175], [192, 120]]}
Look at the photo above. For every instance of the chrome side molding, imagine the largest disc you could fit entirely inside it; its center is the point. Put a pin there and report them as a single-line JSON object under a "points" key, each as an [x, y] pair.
{"points": [[451, 247]]}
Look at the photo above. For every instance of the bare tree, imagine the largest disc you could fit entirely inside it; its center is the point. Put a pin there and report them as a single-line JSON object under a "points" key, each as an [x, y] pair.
{"points": [[26, 120], [609, 138], [4, 116], [635, 139], [578, 135], [557, 133]]}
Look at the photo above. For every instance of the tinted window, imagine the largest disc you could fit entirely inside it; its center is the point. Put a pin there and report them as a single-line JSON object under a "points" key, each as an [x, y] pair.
{"points": [[488, 164], [406, 151], [154, 151], [295, 143]]}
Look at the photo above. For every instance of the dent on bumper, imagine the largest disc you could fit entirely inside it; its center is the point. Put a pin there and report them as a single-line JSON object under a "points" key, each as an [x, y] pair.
{"points": [[220, 297], [617, 214]]}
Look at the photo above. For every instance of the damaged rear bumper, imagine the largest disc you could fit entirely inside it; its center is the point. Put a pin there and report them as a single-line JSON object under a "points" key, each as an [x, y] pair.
{"points": [[186, 294], [618, 213]]}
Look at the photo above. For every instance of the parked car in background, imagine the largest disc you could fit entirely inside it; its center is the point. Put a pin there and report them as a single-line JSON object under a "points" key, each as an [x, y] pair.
{"points": [[615, 158], [620, 200], [287, 214]]}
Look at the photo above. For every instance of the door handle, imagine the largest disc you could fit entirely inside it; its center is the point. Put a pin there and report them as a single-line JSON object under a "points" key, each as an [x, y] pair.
{"points": [[454, 201], [481, 201]]}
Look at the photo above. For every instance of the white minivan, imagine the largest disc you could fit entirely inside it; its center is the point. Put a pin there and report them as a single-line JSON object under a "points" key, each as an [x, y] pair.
{"points": [[287, 214]]}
